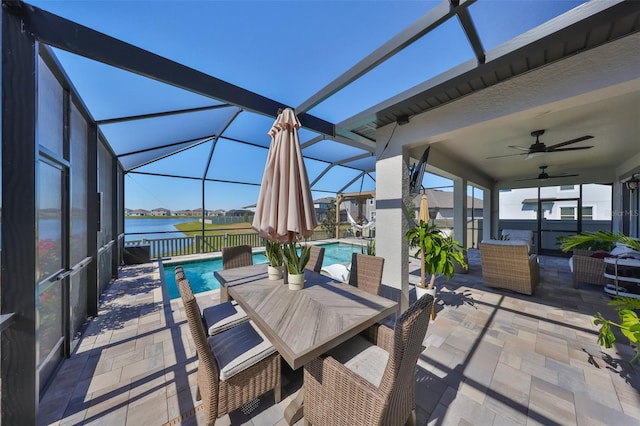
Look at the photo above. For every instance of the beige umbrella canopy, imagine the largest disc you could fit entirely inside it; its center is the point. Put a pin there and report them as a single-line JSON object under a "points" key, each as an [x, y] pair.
{"points": [[285, 211]]}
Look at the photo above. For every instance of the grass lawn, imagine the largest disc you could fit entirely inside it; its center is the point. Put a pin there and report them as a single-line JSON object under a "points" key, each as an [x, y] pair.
{"points": [[195, 228]]}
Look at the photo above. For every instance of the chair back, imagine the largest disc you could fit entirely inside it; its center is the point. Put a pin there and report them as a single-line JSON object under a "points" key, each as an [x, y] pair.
{"points": [[208, 374], [183, 284], [316, 257], [409, 333], [236, 257], [366, 272]]}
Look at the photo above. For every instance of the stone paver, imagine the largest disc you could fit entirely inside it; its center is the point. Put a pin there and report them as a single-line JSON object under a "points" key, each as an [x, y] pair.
{"points": [[491, 357]]}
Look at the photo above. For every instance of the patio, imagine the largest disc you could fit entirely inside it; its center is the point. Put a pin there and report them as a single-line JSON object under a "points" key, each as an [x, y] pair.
{"points": [[491, 357]]}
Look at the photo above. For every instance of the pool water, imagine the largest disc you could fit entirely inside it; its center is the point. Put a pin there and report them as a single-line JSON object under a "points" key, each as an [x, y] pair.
{"points": [[200, 272]]}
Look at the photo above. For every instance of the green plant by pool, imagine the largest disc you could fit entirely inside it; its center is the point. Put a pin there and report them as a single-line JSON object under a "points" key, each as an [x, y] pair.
{"points": [[200, 272]]}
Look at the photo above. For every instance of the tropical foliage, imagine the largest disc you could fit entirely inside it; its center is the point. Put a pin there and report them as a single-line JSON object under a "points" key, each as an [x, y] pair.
{"points": [[629, 324], [296, 261], [441, 252], [598, 239]]}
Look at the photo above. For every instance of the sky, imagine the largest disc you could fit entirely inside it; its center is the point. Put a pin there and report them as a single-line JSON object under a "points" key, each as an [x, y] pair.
{"points": [[285, 50]]}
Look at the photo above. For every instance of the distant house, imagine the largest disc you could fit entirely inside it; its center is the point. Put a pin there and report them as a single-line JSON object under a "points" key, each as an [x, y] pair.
{"points": [[239, 212], [251, 208], [160, 211], [218, 212], [182, 213], [322, 205], [140, 212], [441, 204], [127, 212]]}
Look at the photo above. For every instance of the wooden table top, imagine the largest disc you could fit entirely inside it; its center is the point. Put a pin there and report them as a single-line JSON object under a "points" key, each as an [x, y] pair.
{"points": [[303, 324]]}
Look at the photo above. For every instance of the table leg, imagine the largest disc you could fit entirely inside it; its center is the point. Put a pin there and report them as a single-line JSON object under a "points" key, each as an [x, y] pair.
{"points": [[294, 410], [224, 294]]}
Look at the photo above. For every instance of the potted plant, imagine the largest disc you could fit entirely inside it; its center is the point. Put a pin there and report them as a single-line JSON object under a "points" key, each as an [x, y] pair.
{"points": [[295, 263], [439, 254], [273, 252]]}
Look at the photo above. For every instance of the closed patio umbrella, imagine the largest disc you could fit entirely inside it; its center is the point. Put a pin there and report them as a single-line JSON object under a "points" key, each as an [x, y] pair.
{"points": [[424, 209], [285, 210], [423, 216]]}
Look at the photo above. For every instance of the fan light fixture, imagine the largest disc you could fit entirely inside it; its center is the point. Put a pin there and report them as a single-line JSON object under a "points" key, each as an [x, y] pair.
{"points": [[633, 183]]}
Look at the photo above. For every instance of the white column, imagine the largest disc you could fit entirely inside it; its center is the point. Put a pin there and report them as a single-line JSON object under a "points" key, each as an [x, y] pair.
{"points": [[460, 210], [392, 187]]}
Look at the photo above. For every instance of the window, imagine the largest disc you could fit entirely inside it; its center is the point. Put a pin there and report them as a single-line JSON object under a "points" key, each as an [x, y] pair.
{"points": [[587, 213], [567, 213], [567, 187]]}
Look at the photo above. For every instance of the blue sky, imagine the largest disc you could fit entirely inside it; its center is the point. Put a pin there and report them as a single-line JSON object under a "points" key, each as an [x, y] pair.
{"points": [[285, 50]]}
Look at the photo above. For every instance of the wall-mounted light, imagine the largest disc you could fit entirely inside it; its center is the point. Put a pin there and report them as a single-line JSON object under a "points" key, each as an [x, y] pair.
{"points": [[633, 183], [402, 120]]}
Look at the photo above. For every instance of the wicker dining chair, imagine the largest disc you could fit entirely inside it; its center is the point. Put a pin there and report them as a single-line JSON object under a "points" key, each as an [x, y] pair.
{"points": [[216, 318], [221, 394], [369, 383], [236, 256], [316, 257], [366, 272]]}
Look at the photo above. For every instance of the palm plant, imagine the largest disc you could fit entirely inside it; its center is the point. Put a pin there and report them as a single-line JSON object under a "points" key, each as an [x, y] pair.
{"points": [[629, 324], [598, 237], [440, 251]]}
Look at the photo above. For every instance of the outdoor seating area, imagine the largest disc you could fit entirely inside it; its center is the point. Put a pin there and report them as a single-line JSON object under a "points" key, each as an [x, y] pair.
{"points": [[510, 139], [490, 357]]}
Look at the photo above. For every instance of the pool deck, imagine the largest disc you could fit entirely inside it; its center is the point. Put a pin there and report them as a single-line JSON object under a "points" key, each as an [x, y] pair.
{"points": [[491, 357]]}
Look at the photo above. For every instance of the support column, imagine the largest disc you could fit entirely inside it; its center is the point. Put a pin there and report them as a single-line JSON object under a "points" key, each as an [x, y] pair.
{"points": [[392, 214], [460, 210], [20, 381], [487, 203], [494, 211]]}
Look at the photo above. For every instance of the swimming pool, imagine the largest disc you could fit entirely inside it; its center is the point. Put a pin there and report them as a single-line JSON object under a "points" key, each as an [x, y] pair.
{"points": [[200, 272]]}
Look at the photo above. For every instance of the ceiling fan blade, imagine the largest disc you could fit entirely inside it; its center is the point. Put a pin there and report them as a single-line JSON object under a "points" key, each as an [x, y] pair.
{"points": [[520, 180], [521, 148], [565, 143], [507, 155], [575, 148], [560, 176]]}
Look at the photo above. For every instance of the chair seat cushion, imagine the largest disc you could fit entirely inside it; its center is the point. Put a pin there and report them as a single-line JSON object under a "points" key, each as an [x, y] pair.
{"points": [[219, 318], [363, 358], [238, 348]]}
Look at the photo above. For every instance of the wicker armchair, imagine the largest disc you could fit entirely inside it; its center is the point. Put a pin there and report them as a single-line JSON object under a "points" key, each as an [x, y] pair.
{"points": [[234, 257], [366, 272], [369, 383], [315, 259], [216, 318], [587, 269], [221, 394], [508, 265]]}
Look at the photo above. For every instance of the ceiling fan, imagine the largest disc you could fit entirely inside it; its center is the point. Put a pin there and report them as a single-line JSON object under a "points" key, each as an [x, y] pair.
{"points": [[538, 147], [544, 175]]}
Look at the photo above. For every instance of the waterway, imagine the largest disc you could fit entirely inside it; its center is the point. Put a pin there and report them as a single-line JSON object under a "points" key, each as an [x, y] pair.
{"points": [[154, 228]]}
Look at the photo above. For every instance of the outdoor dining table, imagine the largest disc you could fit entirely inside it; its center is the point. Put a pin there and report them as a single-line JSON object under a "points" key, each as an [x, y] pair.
{"points": [[303, 324]]}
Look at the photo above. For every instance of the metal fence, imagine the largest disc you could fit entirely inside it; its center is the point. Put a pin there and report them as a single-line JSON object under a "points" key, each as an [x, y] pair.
{"points": [[179, 246]]}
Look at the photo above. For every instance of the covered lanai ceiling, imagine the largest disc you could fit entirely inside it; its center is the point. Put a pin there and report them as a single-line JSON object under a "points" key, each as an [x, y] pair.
{"points": [[199, 116]]}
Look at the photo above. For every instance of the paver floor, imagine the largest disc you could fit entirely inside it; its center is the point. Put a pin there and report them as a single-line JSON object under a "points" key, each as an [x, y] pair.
{"points": [[491, 357]]}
